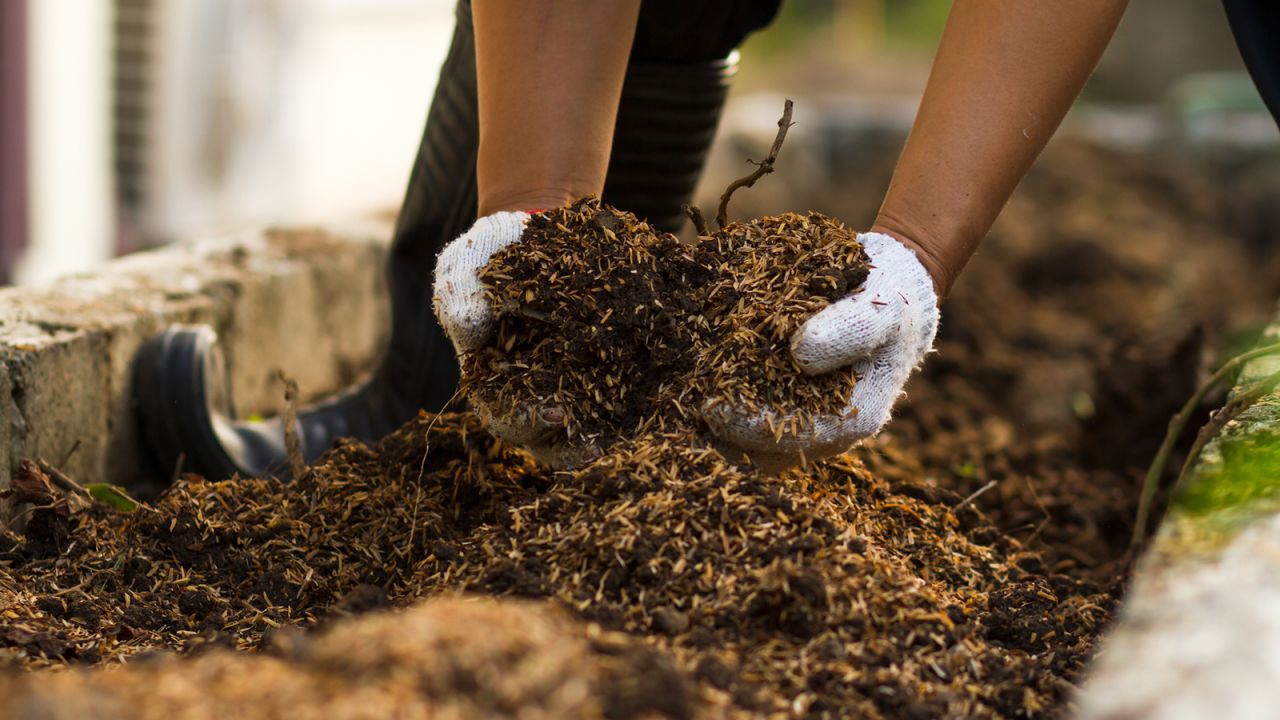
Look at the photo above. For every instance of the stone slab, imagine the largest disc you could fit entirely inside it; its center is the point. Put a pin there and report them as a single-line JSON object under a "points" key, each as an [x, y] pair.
{"points": [[308, 301], [1199, 632]]}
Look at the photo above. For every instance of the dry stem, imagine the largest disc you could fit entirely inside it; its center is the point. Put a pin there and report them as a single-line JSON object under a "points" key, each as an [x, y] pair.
{"points": [[1179, 422], [762, 168], [61, 480], [973, 496], [291, 444], [695, 216]]}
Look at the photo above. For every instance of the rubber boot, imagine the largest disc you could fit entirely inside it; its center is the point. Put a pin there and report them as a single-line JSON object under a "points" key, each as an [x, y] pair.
{"points": [[666, 121]]}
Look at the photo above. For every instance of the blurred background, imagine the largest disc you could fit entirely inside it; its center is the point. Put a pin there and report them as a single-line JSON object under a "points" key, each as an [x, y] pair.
{"points": [[126, 124]]}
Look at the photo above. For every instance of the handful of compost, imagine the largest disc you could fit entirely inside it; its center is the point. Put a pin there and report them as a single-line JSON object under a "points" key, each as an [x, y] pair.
{"points": [[788, 337]]}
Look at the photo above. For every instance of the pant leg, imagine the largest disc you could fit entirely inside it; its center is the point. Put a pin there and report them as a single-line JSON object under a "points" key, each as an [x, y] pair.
{"points": [[439, 204], [1256, 26], [675, 32], [677, 80]]}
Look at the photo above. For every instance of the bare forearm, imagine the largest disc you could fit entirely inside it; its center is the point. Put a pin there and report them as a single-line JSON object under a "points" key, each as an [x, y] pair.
{"points": [[549, 74], [1005, 74]]}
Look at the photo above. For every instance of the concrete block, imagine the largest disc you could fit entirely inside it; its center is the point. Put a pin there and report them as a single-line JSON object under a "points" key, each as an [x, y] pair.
{"points": [[1199, 633], [60, 373], [311, 302], [1199, 637]]}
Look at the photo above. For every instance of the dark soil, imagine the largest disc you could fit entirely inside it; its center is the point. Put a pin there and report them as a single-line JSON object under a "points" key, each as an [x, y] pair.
{"points": [[622, 330], [960, 565], [830, 591]]}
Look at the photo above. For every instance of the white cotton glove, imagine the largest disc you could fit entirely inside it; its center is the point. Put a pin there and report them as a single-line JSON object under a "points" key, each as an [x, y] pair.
{"points": [[459, 296], [883, 332], [468, 320]]}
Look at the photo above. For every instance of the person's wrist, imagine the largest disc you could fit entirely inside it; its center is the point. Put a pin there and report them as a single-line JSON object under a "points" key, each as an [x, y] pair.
{"points": [[929, 259], [529, 201]]}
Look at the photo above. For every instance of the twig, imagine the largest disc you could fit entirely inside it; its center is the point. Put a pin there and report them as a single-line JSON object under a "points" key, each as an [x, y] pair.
{"points": [[24, 512], [422, 469], [1019, 528], [74, 447], [1228, 412], [1176, 425], [177, 468], [1225, 414], [1043, 508], [291, 444], [695, 216], [973, 495], [762, 168], [61, 480]]}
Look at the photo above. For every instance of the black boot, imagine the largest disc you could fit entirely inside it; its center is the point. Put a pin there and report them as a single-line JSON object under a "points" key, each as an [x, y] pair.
{"points": [[667, 118]]}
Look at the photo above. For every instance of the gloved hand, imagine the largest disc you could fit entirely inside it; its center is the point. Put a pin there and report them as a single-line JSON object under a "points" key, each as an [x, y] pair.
{"points": [[883, 332], [468, 320], [458, 297]]}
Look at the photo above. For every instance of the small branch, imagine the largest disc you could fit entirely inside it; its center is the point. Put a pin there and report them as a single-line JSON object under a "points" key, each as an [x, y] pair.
{"points": [[65, 458], [61, 480], [973, 496], [695, 216], [1178, 423], [1228, 412], [74, 496], [177, 468], [291, 444], [1043, 508], [762, 169], [422, 469], [28, 510]]}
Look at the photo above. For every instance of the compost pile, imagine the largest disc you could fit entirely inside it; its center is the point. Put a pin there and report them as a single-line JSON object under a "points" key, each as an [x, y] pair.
{"points": [[828, 591], [620, 329], [962, 564]]}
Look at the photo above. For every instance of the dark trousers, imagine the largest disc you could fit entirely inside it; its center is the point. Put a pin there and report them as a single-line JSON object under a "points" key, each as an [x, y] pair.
{"points": [[1256, 26]]}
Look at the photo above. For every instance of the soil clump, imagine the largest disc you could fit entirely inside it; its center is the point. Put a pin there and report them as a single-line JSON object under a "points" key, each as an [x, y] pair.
{"points": [[624, 330]]}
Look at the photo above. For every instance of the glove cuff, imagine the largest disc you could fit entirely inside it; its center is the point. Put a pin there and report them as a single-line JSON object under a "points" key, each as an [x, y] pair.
{"points": [[496, 228], [889, 251]]}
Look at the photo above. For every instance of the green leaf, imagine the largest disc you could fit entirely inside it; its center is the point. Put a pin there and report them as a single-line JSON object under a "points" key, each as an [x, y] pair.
{"points": [[112, 495]]}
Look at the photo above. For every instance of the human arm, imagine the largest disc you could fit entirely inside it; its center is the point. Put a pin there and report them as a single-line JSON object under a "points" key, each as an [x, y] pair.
{"points": [[549, 75], [1005, 74]]}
